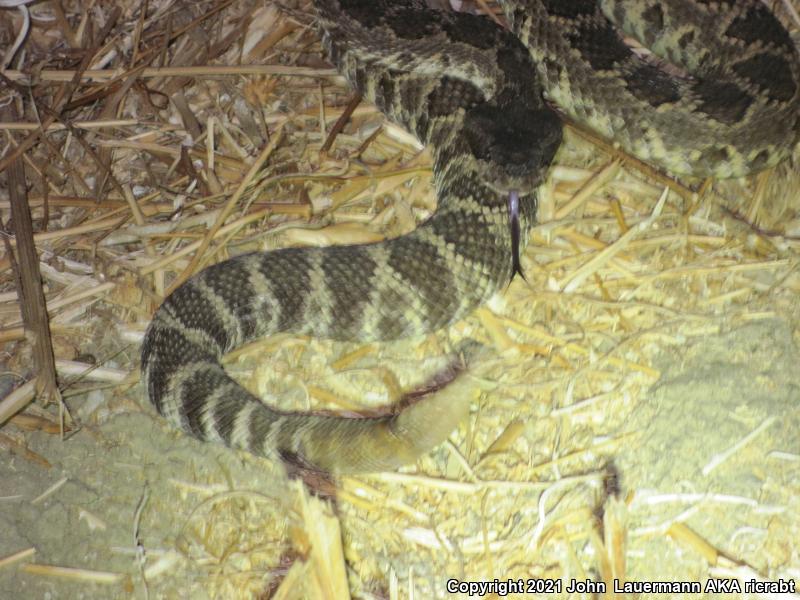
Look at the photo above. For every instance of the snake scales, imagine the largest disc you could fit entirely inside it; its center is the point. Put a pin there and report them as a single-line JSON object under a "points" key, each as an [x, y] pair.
{"points": [[473, 93]]}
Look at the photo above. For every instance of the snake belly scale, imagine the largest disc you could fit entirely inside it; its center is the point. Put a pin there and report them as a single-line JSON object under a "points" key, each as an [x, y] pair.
{"points": [[473, 92]]}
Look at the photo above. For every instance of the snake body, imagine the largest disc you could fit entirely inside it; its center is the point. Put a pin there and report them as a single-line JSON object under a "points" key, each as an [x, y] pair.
{"points": [[472, 92]]}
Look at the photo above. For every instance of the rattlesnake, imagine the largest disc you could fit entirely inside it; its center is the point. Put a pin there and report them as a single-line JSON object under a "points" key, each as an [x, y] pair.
{"points": [[472, 92]]}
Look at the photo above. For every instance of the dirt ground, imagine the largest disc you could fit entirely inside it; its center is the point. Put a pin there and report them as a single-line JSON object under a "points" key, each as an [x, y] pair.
{"points": [[215, 524]]}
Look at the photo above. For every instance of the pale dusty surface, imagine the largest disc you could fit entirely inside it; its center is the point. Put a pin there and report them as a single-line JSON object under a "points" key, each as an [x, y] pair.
{"points": [[714, 391]]}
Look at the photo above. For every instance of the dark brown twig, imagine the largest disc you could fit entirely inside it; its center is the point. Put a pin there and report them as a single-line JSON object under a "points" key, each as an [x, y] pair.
{"points": [[340, 123], [29, 280]]}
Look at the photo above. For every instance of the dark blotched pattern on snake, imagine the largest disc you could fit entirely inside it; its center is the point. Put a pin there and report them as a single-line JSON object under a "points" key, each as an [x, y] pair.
{"points": [[472, 92]]}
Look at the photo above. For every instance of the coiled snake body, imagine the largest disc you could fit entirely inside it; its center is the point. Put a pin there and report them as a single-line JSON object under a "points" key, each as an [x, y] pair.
{"points": [[472, 92]]}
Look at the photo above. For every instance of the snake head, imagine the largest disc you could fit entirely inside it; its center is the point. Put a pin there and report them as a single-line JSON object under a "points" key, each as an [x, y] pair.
{"points": [[513, 144]]}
